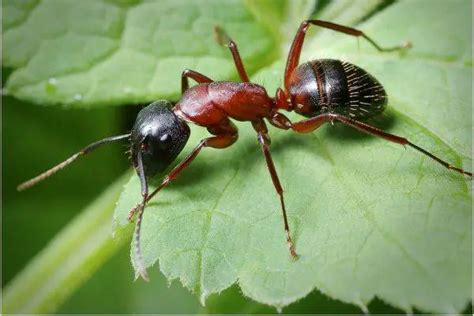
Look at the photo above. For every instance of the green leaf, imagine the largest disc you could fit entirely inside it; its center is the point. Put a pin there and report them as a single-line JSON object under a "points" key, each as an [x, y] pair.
{"points": [[348, 12], [368, 217], [231, 301], [110, 52]]}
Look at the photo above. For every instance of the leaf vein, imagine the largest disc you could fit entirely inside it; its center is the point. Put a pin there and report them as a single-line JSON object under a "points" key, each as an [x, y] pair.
{"points": [[207, 226]]}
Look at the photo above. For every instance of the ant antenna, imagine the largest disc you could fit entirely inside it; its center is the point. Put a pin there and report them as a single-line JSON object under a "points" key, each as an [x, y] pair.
{"points": [[140, 266], [28, 184]]}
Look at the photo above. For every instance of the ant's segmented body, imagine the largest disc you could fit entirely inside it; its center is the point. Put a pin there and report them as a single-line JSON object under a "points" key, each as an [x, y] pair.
{"points": [[322, 90], [341, 88]]}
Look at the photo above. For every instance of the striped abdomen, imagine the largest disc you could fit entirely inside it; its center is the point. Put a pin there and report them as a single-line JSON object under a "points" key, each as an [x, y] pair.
{"points": [[329, 85]]}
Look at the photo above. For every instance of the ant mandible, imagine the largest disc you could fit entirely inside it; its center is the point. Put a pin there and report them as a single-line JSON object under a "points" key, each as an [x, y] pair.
{"points": [[324, 90]]}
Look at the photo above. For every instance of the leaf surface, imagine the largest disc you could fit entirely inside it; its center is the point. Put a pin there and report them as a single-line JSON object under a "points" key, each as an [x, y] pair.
{"points": [[96, 53], [368, 217]]}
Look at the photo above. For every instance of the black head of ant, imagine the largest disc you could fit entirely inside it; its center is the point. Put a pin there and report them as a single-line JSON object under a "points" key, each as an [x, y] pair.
{"points": [[158, 136], [156, 139]]}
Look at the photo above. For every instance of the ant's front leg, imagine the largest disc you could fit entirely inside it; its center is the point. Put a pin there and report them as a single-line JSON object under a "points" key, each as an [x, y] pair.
{"points": [[226, 135], [224, 40], [196, 76]]}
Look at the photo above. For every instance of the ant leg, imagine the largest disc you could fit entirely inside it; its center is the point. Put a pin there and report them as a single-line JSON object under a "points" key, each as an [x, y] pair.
{"points": [[279, 120], [222, 141], [28, 184], [295, 50], [196, 76], [309, 125], [227, 135], [224, 40], [264, 140]]}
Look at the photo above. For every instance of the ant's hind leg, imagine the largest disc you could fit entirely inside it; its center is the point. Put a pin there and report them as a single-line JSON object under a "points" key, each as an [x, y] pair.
{"points": [[309, 125], [196, 76], [295, 50], [224, 40]]}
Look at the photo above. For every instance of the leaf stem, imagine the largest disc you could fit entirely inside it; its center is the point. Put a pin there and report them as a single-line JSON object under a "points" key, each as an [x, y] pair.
{"points": [[70, 259]]}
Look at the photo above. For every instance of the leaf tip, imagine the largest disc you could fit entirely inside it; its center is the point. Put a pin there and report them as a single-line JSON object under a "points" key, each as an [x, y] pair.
{"points": [[363, 307], [203, 297], [144, 276], [141, 273]]}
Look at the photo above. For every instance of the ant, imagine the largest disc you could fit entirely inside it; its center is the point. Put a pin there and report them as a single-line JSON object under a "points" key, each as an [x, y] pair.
{"points": [[324, 91]]}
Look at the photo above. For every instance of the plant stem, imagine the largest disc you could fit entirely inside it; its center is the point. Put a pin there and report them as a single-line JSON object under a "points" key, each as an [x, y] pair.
{"points": [[70, 259]]}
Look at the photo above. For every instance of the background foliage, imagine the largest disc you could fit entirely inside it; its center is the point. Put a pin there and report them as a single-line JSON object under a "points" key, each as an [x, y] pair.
{"points": [[106, 60]]}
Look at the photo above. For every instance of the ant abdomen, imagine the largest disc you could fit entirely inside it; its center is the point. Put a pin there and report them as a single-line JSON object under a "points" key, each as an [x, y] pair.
{"points": [[329, 85]]}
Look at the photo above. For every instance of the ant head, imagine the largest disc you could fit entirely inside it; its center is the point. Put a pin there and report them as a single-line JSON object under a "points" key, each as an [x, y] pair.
{"points": [[159, 136]]}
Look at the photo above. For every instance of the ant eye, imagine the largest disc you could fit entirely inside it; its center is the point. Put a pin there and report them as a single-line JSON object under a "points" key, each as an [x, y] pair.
{"points": [[145, 143], [148, 142], [165, 140]]}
